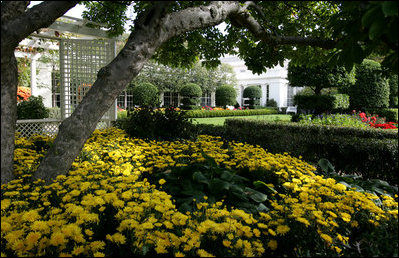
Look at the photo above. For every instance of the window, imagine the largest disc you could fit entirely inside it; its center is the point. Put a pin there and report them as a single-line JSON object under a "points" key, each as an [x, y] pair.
{"points": [[206, 100], [170, 99], [125, 100]]}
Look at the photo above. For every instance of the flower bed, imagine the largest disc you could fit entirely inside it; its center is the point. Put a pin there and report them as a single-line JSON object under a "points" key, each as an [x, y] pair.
{"points": [[107, 207]]}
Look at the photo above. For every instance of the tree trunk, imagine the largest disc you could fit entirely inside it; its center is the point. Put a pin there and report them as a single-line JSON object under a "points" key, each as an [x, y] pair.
{"points": [[147, 37], [16, 24], [9, 82]]}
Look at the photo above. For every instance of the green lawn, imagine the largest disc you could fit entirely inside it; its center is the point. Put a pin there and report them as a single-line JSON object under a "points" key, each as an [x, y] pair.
{"points": [[220, 120]]}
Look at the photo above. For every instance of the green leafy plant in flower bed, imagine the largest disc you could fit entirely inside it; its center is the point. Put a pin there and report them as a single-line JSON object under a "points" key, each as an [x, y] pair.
{"points": [[210, 183], [335, 119]]}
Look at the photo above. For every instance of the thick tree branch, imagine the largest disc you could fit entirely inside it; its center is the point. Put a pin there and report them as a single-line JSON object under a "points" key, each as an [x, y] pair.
{"points": [[244, 19], [39, 16]]}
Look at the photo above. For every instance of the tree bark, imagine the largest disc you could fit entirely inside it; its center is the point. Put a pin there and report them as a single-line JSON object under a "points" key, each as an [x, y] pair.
{"points": [[16, 24], [149, 34]]}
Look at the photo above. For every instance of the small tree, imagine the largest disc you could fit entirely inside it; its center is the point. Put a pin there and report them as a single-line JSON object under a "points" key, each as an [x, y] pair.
{"points": [[371, 89], [146, 94], [225, 95], [254, 93], [191, 94]]}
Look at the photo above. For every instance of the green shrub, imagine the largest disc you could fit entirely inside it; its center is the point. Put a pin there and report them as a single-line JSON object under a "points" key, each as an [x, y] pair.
{"points": [[372, 153], [393, 91], [271, 103], [33, 108], [145, 94], [371, 89], [54, 112], [254, 93], [225, 95], [152, 124], [191, 94]]}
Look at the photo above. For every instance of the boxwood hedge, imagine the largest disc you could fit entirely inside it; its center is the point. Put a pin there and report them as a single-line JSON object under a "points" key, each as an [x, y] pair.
{"points": [[371, 153], [220, 113]]}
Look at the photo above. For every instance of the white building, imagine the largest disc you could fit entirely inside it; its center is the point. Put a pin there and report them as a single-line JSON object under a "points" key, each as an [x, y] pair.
{"points": [[273, 83]]}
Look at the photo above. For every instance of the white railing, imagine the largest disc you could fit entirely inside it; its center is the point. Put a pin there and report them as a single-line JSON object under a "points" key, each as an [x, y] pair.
{"points": [[29, 127]]}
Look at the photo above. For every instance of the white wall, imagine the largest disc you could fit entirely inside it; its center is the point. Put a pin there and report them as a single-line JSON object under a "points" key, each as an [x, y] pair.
{"points": [[43, 83], [276, 78]]}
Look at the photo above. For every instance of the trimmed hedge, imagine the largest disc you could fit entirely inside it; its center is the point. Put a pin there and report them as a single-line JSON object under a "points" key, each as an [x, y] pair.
{"points": [[369, 152], [371, 89], [221, 113]]}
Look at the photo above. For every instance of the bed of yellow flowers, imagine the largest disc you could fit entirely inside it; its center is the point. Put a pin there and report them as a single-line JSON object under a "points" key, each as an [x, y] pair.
{"points": [[105, 206]]}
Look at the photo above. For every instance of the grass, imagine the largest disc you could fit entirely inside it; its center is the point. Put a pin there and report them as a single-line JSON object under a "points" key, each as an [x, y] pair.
{"points": [[220, 120]]}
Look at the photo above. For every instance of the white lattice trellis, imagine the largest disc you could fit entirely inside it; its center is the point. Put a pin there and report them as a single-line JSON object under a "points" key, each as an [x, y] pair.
{"points": [[27, 128], [80, 60]]}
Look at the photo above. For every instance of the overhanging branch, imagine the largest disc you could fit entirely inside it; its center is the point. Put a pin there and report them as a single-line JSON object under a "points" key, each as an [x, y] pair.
{"points": [[243, 18]]}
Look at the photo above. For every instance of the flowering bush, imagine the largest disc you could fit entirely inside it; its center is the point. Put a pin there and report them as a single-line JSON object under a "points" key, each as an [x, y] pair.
{"points": [[23, 94], [375, 121], [105, 206]]}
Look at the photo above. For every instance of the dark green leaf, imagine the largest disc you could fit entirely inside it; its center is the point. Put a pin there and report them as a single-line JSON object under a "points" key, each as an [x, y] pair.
{"points": [[199, 177], [326, 166], [260, 184], [255, 195], [216, 185], [390, 8]]}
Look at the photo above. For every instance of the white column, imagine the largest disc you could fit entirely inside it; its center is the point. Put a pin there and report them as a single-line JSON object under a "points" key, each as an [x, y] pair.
{"points": [[264, 95], [33, 85]]}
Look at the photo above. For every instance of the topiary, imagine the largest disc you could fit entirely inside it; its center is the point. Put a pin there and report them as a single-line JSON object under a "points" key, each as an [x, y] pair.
{"points": [[371, 89], [225, 95], [191, 94], [254, 93], [145, 94], [393, 91], [33, 108]]}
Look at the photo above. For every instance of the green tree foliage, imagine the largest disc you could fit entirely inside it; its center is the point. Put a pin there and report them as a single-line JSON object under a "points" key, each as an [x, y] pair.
{"points": [[225, 95], [146, 94], [319, 77], [342, 32], [363, 28], [172, 79], [371, 89], [33, 108], [23, 72]]}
